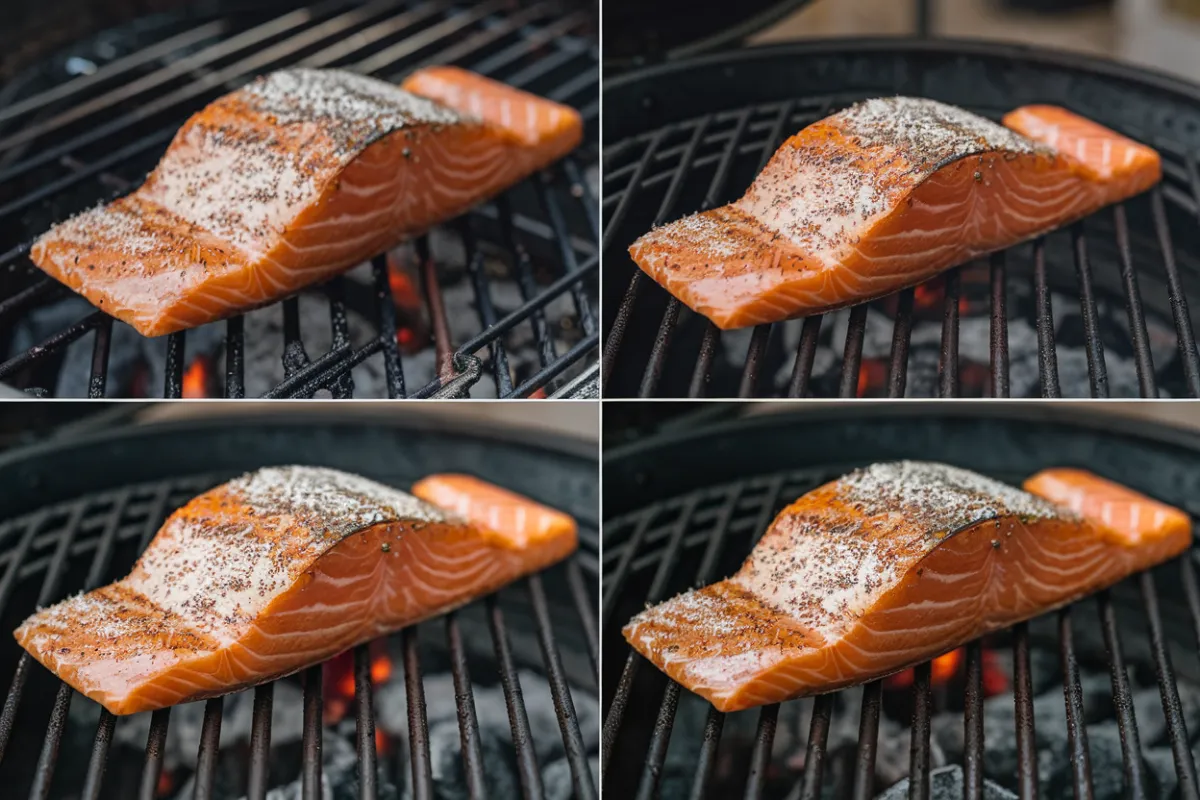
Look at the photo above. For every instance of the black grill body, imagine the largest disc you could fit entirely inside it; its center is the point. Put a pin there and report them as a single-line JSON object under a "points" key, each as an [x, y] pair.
{"points": [[1101, 308], [87, 505], [684, 508], [517, 273]]}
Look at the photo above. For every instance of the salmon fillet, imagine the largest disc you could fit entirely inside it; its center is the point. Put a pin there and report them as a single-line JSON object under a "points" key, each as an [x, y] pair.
{"points": [[892, 565], [885, 195], [290, 180], [275, 571]]}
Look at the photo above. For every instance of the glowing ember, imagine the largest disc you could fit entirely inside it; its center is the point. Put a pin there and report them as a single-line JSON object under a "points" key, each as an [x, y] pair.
{"points": [[942, 669], [339, 680], [197, 378], [412, 332], [166, 783]]}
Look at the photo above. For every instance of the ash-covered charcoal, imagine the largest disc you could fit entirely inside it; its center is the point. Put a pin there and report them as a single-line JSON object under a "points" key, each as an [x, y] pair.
{"points": [[495, 730], [339, 775], [556, 779], [946, 783]]}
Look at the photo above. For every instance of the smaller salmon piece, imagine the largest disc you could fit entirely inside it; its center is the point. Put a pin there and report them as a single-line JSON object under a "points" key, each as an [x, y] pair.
{"points": [[884, 195], [892, 565], [517, 519], [293, 179], [279, 570]]}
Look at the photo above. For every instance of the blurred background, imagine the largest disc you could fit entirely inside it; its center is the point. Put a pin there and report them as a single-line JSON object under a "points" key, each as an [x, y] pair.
{"points": [[1164, 34]]}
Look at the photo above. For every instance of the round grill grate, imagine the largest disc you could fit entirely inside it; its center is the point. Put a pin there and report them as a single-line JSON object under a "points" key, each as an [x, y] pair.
{"points": [[1100, 308], [667, 529]]}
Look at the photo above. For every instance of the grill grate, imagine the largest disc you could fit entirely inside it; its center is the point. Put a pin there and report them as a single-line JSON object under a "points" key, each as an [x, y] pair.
{"points": [[104, 530], [686, 146], [655, 548], [57, 154]]}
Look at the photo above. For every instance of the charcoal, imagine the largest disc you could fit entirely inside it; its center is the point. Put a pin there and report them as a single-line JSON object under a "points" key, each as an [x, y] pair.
{"points": [[946, 783], [445, 755], [556, 779]]}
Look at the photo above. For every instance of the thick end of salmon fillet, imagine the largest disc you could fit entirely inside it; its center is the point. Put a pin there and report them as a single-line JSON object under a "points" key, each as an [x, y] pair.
{"points": [[545, 129], [1133, 519], [515, 521]]}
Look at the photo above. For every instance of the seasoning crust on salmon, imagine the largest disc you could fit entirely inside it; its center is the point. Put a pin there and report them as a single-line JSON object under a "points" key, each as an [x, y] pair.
{"points": [[885, 195], [892, 565], [270, 573], [288, 181]]}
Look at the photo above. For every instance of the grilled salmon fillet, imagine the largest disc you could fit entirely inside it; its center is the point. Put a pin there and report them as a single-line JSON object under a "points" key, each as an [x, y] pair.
{"points": [[885, 195], [290, 180], [894, 564], [275, 571]]}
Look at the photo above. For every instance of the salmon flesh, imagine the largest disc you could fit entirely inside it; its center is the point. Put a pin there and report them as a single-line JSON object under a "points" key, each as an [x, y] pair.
{"points": [[281, 569], [885, 195], [293, 179], [892, 565]]}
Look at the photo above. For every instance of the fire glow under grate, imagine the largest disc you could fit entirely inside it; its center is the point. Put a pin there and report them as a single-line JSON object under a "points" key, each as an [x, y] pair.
{"points": [[497, 303]]}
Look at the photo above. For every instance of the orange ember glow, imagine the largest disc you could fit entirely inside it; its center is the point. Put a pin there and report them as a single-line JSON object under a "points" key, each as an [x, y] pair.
{"points": [[339, 680], [166, 783], [871, 375], [941, 670], [196, 379], [927, 296]]}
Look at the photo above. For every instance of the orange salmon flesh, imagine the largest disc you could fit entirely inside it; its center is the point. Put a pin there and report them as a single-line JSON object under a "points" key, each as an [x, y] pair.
{"points": [[892, 565], [281, 569], [885, 195], [293, 179]]}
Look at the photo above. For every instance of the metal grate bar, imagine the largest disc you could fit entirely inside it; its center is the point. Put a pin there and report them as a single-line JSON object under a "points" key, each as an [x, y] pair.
{"points": [[1131, 748], [948, 365], [44, 773], [294, 356], [418, 722], [487, 312], [584, 607], [814, 757], [311, 743], [999, 326], [1047, 354], [387, 327], [1133, 306], [546, 374], [100, 348], [1023, 697], [210, 744], [1191, 588], [707, 759], [339, 331], [260, 741], [659, 739], [156, 743], [1185, 765], [760, 756], [1179, 304], [616, 333], [616, 709], [1081, 767], [868, 741], [901, 340], [564, 706], [468, 722], [364, 723], [852, 355], [173, 371], [1097, 370], [806, 352], [754, 360], [56, 341], [562, 236], [973, 724], [99, 757], [918, 769], [708, 349], [658, 353], [443, 346], [523, 267], [518, 717], [621, 573], [581, 189]]}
